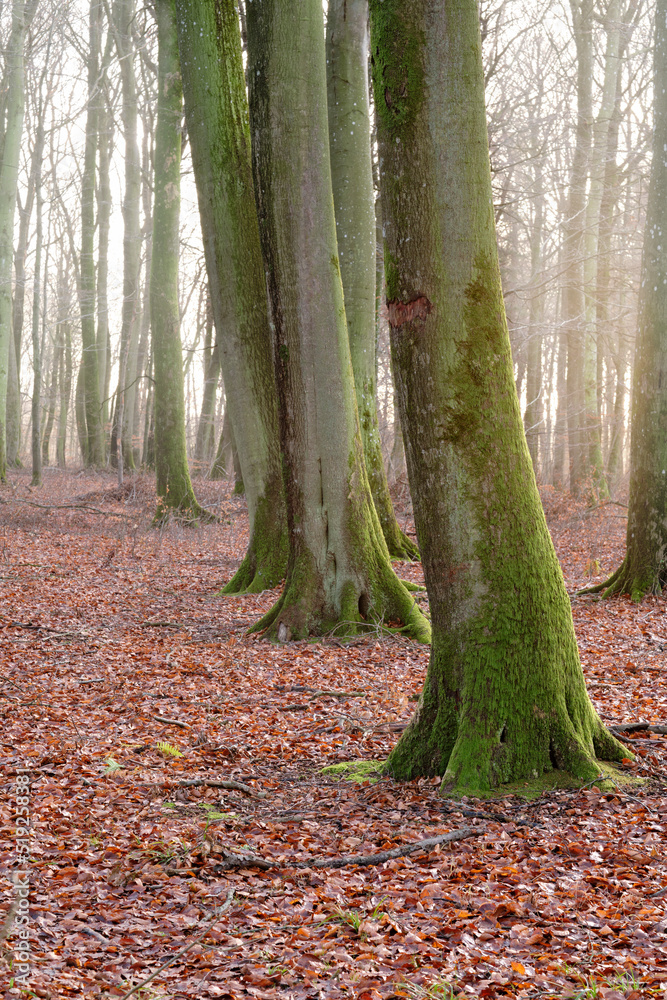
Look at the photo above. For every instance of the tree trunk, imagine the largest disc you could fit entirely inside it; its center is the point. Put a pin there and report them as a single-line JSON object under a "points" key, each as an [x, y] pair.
{"points": [[36, 408], [104, 207], [644, 569], [352, 180], [600, 143], [64, 337], [205, 442], [129, 334], [174, 489], [339, 575], [88, 385], [13, 83], [574, 306], [216, 112], [505, 697]]}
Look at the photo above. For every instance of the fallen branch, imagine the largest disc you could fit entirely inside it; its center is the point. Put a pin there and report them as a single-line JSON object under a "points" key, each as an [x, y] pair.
{"points": [[231, 860], [213, 919], [231, 786], [637, 727], [171, 722], [70, 506]]}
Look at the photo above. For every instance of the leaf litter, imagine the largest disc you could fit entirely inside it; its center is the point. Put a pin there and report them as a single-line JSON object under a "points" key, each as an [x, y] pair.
{"points": [[162, 739]]}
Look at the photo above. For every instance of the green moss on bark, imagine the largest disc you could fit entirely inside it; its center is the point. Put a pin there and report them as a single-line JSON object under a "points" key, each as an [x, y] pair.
{"points": [[265, 562], [396, 65]]}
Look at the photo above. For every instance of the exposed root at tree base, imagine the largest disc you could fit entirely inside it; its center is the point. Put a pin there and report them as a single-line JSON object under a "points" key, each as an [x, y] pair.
{"points": [[302, 611], [189, 515], [626, 581]]}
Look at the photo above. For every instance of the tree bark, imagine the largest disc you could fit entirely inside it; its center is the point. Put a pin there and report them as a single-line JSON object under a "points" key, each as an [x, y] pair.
{"points": [[216, 112], [505, 697], [339, 575]]}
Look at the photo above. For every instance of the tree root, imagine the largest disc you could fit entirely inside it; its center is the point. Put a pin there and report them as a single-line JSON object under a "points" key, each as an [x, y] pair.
{"points": [[610, 586], [626, 580], [188, 513]]}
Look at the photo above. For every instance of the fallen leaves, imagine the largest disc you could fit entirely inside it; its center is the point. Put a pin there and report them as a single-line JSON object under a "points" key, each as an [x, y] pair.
{"points": [[115, 644]]}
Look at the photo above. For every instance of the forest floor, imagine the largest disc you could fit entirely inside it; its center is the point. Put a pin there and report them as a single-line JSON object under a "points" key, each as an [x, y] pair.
{"points": [[124, 675]]}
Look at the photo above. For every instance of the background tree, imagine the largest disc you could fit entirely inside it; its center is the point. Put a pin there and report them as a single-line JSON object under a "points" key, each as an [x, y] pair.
{"points": [[644, 569], [339, 573], [11, 127], [352, 180], [174, 489], [217, 116]]}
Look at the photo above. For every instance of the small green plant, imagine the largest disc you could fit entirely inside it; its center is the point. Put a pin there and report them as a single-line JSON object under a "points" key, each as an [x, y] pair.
{"points": [[111, 766], [377, 912], [350, 917], [439, 990], [168, 749], [95, 841], [277, 970]]}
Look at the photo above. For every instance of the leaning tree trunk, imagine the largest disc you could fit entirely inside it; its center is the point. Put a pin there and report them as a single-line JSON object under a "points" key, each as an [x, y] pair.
{"points": [[644, 569], [352, 179], [505, 697], [216, 112], [339, 574], [174, 489]]}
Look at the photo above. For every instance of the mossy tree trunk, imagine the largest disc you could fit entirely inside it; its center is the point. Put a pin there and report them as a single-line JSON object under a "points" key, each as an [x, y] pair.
{"points": [[352, 180], [505, 697], [339, 573], [216, 111], [174, 489], [644, 569]]}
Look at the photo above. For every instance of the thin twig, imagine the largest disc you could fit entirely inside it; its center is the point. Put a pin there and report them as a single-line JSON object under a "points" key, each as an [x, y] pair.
{"points": [[212, 920], [171, 722]]}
